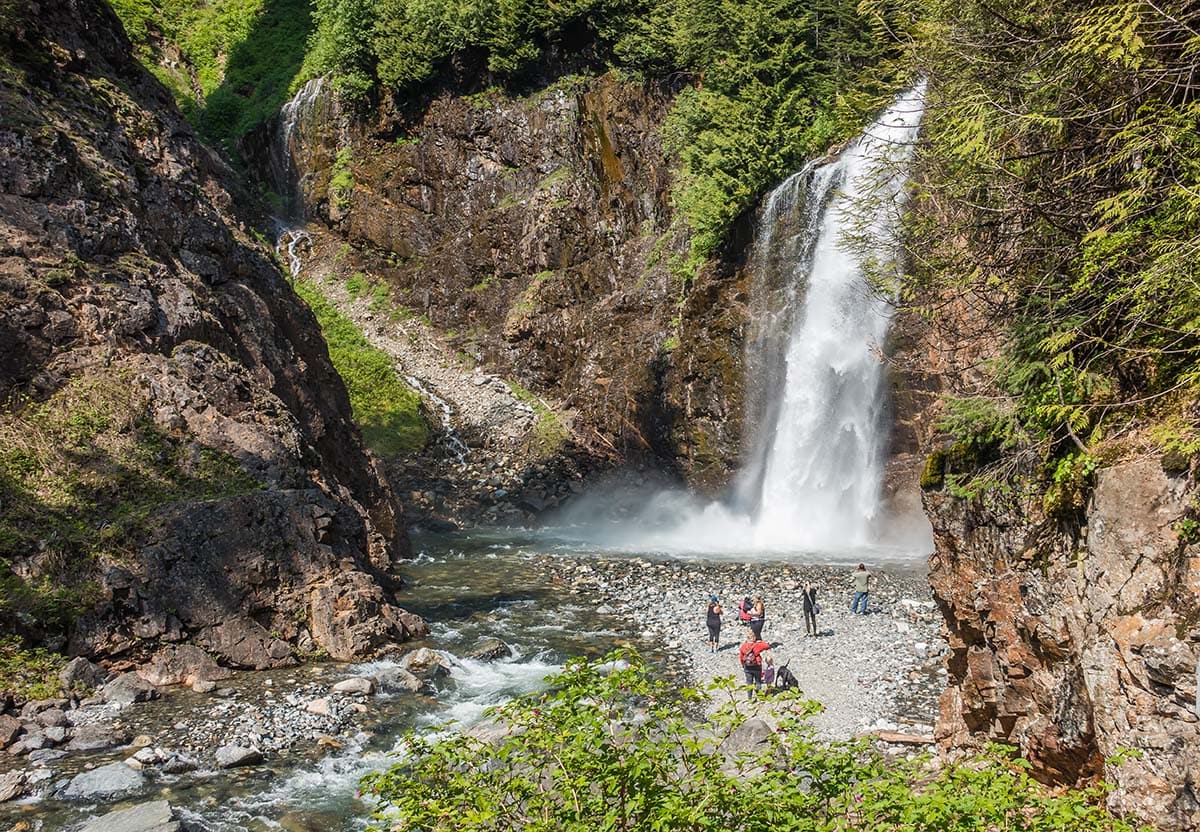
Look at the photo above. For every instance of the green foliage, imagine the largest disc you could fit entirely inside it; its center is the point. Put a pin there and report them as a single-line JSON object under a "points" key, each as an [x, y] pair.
{"points": [[611, 745], [933, 475], [28, 674], [241, 58], [82, 475], [1059, 193], [777, 80], [1070, 483], [341, 178], [549, 433], [386, 410]]}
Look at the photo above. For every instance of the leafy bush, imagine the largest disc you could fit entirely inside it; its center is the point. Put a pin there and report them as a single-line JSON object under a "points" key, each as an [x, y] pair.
{"points": [[386, 410], [28, 674], [613, 746], [1059, 190]]}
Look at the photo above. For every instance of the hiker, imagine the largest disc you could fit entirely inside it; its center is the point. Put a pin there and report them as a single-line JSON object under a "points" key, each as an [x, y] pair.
{"points": [[811, 609], [744, 608], [758, 616], [768, 671], [862, 584], [751, 657], [714, 624]]}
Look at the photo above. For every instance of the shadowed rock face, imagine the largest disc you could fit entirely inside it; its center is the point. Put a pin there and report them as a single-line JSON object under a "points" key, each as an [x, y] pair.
{"points": [[127, 262], [538, 232]]}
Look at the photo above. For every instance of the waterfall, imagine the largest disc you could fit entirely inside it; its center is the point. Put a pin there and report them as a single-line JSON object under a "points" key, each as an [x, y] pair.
{"points": [[815, 473], [293, 116], [816, 377]]}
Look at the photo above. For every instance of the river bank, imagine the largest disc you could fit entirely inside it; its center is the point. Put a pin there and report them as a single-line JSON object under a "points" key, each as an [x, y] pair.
{"points": [[532, 602]]}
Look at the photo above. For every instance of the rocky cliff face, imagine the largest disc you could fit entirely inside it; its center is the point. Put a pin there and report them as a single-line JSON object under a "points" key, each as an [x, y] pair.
{"points": [[1076, 644], [537, 234], [178, 460]]}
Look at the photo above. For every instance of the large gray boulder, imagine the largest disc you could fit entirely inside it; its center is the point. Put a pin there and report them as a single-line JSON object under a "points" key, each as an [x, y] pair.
{"points": [[81, 674], [426, 664], [489, 649], [12, 784], [127, 689], [182, 664], [106, 782], [95, 738], [397, 679], [155, 816]]}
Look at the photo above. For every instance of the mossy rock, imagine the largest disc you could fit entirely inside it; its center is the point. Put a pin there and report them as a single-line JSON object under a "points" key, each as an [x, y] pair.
{"points": [[933, 476]]}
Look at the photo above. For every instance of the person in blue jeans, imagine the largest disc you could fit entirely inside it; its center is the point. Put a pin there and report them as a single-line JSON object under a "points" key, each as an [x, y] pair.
{"points": [[862, 585]]}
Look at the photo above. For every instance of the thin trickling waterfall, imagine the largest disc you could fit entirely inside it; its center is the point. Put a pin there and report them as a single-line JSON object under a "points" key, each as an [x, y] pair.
{"points": [[293, 116]]}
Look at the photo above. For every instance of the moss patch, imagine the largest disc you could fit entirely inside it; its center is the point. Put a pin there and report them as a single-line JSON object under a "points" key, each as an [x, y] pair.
{"points": [[28, 674], [549, 434], [387, 411]]}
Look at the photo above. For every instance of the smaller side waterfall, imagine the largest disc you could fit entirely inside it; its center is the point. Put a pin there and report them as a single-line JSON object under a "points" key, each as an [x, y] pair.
{"points": [[294, 116]]}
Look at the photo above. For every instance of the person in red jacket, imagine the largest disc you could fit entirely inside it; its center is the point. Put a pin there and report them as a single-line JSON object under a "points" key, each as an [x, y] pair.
{"points": [[751, 657]]}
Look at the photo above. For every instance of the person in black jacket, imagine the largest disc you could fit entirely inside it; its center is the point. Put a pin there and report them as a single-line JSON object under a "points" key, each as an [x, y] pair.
{"points": [[811, 608], [714, 624]]}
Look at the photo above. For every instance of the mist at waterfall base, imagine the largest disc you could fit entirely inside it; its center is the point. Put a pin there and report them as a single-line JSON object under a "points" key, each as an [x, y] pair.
{"points": [[812, 482]]}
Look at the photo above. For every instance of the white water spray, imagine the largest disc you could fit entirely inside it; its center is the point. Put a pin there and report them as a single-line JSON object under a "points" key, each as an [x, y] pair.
{"points": [[813, 478]]}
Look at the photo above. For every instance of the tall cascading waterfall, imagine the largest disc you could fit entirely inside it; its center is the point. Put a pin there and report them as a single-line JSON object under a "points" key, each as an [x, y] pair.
{"points": [[812, 477]]}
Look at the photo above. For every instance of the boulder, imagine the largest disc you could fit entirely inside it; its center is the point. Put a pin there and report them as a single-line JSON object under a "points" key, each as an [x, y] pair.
{"points": [[55, 734], [244, 643], [182, 664], [489, 649], [155, 816], [32, 709], [127, 689], [320, 707], [10, 729], [355, 685], [204, 686], [81, 674], [426, 664], [749, 737], [95, 738], [12, 785], [178, 764], [45, 755], [51, 718], [397, 679], [231, 756], [106, 782]]}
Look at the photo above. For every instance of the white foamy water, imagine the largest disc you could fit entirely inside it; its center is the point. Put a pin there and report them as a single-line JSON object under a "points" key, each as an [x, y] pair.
{"points": [[812, 482]]}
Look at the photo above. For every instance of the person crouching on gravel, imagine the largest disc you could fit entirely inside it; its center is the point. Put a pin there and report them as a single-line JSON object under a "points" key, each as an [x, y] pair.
{"points": [[751, 657], [714, 624]]}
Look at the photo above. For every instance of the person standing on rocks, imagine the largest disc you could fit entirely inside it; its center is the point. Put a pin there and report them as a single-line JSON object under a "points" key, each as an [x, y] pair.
{"points": [[751, 658], [862, 585], [758, 617], [714, 624], [745, 606], [811, 608]]}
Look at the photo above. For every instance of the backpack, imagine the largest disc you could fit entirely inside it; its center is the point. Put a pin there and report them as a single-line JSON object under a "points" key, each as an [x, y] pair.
{"points": [[753, 658]]}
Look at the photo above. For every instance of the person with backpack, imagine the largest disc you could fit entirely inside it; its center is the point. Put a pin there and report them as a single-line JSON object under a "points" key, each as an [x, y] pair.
{"points": [[745, 606], [751, 657], [714, 624], [862, 586], [811, 608], [758, 616]]}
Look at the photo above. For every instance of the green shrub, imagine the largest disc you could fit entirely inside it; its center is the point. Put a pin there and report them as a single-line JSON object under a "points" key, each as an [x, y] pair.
{"points": [[28, 674], [386, 410], [614, 746]]}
